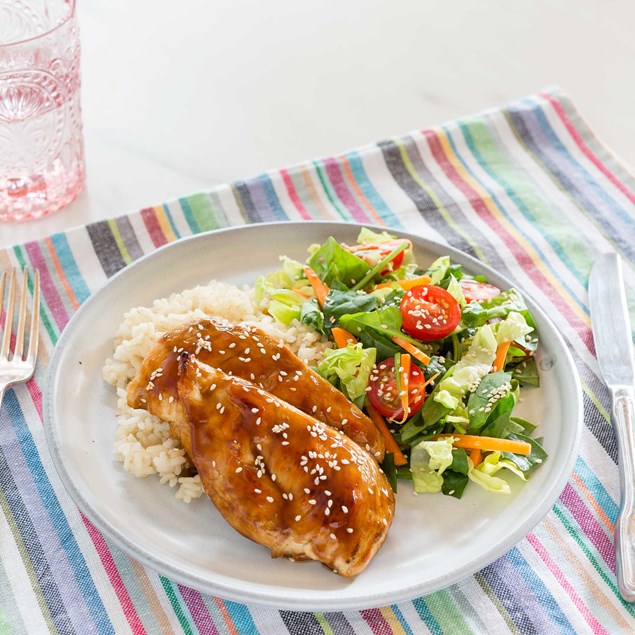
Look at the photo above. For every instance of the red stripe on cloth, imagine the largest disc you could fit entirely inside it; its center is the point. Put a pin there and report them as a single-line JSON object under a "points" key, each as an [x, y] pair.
{"points": [[47, 285], [520, 255], [149, 216], [36, 396], [376, 621], [115, 579], [293, 194], [575, 135]]}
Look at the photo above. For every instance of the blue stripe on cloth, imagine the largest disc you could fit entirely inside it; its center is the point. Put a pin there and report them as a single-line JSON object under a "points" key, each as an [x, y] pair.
{"points": [[402, 619], [593, 484], [584, 175], [242, 618], [424, 613], [262, 191], [540, 593], [530, 130], [369, 191], [189, 215], [59, 521]]}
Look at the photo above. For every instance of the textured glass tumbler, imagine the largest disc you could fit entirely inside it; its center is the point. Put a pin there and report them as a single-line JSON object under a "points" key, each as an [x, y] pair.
{"points": [[41, 146]]}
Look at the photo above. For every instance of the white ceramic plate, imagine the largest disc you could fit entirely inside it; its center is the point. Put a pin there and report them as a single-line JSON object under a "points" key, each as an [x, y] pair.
{"points": [[434, 541]]}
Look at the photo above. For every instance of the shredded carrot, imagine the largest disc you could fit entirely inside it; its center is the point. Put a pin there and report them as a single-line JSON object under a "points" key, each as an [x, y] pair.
{"points": [[319, 288], [474, 442], [429, 381], [342, 337], [412, 349], [389, 441], [404, 381], [476, 456], [501, 354], [406, 284]]}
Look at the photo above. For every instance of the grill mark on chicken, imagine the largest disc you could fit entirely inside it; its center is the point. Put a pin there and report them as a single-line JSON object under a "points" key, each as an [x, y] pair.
{"points": [[281, 477], [249, 353]]}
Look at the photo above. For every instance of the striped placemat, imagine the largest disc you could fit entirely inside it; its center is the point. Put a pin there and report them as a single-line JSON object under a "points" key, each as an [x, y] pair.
{"points": [[528, 190]]}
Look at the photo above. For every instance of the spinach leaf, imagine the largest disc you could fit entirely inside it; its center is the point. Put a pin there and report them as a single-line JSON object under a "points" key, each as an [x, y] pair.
{"points": [[336, 266], [338, 303], [454, 483], [482, 398], [390, 469], [478, 313], [311, 315], [526, 463], [526, 372], [500, 424]]}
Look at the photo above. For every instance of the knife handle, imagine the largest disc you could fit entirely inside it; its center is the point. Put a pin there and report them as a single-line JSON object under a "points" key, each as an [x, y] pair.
{"points": [[624, 425]]}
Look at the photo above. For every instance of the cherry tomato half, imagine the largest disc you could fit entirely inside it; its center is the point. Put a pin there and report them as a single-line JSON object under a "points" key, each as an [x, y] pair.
{"points": [[475, 291], [429, 313], [383, 390], [372, 253]]}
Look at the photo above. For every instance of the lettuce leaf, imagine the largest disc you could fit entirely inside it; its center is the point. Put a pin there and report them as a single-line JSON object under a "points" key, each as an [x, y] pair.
{"points": [[428, 461], [349, 369], [466, 374], [368, 236], [484, 473]]}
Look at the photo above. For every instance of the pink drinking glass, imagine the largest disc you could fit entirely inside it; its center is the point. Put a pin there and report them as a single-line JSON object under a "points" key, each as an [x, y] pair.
{"points": [[41, 146]]}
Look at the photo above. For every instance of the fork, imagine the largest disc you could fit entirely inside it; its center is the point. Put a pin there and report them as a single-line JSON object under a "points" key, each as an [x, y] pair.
{"points": [[15, 368]]}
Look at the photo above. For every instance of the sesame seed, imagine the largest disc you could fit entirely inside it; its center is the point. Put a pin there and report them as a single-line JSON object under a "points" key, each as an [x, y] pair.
{"points": [[239, 469], [298, 517], [270, 499]]}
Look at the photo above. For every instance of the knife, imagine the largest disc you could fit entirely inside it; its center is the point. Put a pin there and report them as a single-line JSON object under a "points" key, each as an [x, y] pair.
{"points": [[614, 349]]}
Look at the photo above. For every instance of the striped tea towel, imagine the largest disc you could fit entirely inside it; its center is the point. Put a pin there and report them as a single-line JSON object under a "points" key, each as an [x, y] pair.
{"points": [[525, 188]]}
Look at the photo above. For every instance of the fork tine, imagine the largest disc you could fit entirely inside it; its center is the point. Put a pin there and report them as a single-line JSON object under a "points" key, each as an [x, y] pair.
{"points": [[8, 326], [35, 320], [19, 338]]}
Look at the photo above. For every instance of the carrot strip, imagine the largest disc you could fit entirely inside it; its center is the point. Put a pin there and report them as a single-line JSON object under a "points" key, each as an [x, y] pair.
{"points": [[412, 349], [474, 442], [501, 354], [319, 288], [406, 284], [389, 441], [476, 456], [342, 337], [404, 381]]}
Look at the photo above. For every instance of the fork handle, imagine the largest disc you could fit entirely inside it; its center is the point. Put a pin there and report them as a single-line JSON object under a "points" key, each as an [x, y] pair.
{"points": [[623, 416]]}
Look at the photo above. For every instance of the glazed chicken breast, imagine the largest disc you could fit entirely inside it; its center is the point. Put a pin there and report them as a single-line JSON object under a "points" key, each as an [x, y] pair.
{"points": [[280, 476], [246, 352]]}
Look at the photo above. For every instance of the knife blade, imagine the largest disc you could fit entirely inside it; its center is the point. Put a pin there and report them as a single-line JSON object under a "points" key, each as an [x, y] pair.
{"points": [[613, 339]]}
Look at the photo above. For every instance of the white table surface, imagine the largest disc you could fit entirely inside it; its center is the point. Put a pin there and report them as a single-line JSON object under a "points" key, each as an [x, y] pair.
{"points": [[181, 96]]}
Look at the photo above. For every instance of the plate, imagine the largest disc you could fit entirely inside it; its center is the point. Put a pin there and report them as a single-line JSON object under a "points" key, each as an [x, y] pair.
{"points": [[434, 540]]}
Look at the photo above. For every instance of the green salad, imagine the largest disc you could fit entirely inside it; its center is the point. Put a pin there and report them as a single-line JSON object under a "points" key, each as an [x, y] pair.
{"points": [[434, 356]]}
